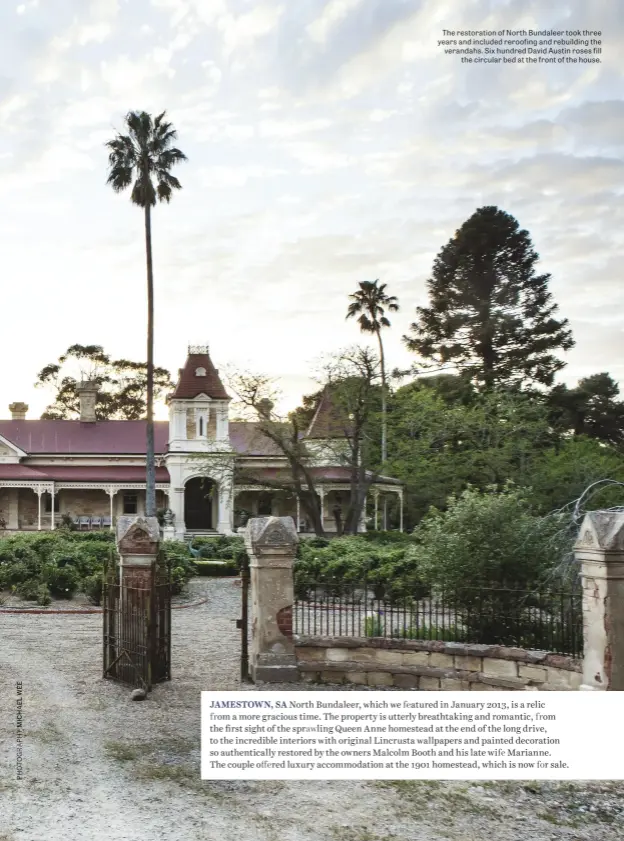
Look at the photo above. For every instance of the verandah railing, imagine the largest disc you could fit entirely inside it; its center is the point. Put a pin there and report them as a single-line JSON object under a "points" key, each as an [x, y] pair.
{"points": [[542, 620]]}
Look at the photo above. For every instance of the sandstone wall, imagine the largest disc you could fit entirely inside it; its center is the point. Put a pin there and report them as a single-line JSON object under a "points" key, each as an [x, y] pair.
{"points": [[420, 664]]}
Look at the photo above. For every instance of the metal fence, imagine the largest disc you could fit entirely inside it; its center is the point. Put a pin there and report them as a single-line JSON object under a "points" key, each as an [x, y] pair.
{"points": [[531, 619], [137, 627]]}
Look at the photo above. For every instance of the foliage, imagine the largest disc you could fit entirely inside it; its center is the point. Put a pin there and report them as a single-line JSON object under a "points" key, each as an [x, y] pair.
{"points": [[91, 586], [221, 548], [374, 626], [560, 475], [179, 580], [439, 446], [217, 568], [489, 539], [490, 314], [388, 566], [58, 562], [348, 434], [590, 409], [62, 581], [121, 385], [181, 564], [44, 597], [67, 522]]}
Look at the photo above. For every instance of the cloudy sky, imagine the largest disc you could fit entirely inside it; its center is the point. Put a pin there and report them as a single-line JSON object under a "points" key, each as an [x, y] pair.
{"points": [[329, 142]]}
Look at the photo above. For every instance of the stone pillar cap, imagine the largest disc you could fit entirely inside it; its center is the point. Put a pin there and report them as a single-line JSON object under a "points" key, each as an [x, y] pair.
{"points": [[137, 535], [263, 533], [602, 531]]}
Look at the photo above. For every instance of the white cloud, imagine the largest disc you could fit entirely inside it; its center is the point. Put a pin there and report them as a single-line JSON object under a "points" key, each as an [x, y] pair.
{"points": [[333, 13], [239, 32], [327, 142]]}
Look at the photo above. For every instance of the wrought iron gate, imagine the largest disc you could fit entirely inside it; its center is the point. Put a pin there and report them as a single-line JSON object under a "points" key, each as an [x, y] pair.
{"points": [[137, 627], [243, 623]]}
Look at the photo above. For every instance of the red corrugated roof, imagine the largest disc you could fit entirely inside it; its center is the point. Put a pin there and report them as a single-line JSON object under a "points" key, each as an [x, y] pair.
{"points": [[118, 437], [190, 385], [95, 473], [328, 420], [115, 437]]}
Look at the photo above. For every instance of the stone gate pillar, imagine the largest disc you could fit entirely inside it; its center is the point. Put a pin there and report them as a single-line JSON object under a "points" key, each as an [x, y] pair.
{"points": [[271, 544], [600, 551]]}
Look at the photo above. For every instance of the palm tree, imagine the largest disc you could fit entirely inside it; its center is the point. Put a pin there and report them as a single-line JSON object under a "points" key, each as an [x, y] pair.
{"points": [[370, 302], [143, 158]]}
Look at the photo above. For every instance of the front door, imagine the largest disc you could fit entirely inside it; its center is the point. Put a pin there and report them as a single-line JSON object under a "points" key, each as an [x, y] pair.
{"points": [[198, 494]]}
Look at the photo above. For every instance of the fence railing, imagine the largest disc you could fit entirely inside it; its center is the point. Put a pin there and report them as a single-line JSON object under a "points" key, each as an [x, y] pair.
{"points": [[536, 620]]}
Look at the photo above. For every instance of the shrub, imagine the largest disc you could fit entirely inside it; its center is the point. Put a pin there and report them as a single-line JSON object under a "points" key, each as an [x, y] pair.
{"points": [[386, 537], [178, 580], [29, 589], [216, 568], [391, 568], [12, 575], [62, 581], [488, 539], [43, 595], [374, 625], [91, 586], [67, 522]]}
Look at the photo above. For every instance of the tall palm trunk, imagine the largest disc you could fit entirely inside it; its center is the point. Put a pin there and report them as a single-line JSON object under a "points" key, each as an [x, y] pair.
{"points": [[384, 429], [150, 483]]}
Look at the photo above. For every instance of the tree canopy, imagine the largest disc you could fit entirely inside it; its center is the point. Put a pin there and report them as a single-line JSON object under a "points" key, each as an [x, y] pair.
{"points": [[122, 384], [490, 315]]}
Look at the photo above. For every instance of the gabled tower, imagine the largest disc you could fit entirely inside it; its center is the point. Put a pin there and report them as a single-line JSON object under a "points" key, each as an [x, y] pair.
{"points": [[198, 408], [201, 488]]}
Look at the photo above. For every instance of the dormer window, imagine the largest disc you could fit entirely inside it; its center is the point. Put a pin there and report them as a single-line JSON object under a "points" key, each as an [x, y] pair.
{"points": [[200, 372]]}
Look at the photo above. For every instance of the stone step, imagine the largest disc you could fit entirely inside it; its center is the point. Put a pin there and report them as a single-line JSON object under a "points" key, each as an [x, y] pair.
{"points": [[200, 533]]}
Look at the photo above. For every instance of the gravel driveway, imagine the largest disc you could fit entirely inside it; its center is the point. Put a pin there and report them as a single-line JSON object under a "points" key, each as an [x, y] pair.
{"points": [[97, 765]]}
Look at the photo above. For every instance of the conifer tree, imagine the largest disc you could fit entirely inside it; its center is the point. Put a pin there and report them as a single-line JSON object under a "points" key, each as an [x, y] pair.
{"points": [[491, 315]]}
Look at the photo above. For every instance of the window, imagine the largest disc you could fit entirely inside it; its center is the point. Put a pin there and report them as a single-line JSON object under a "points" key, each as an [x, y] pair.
{"points": [[47, 498], [200, 372], [201, 427], [130, 503]]}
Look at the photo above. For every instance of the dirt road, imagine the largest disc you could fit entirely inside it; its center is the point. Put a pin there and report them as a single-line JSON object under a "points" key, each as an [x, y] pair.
{"points": [[97, 765]]}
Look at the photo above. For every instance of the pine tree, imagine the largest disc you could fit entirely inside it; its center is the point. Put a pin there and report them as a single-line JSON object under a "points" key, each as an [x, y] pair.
{"points": [[491, 315]]}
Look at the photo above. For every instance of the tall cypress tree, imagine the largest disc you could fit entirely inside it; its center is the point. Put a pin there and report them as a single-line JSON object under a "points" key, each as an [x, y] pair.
{"points": [[491, 315]]}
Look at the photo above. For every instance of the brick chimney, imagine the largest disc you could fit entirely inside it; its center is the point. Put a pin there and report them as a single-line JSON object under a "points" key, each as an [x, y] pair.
{"points": [[18, 411], [87, 391]]}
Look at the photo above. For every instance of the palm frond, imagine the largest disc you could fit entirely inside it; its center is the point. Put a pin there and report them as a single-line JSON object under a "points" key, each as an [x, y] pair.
{"points": [[142, 156]]}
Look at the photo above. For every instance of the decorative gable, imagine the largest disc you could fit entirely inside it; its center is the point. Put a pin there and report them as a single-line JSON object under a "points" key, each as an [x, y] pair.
{"points": [[9, 453]]}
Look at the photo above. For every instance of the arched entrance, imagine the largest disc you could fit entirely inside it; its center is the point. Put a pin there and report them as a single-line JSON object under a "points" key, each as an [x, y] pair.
{"points": [[199, 494]]}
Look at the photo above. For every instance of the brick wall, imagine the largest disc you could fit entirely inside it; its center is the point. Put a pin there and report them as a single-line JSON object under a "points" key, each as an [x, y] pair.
{"points": [[420, 664], [83, 503]]}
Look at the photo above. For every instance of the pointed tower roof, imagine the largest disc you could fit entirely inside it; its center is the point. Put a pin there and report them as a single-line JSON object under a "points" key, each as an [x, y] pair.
{"points": [[199, 376], [328, 420]]}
